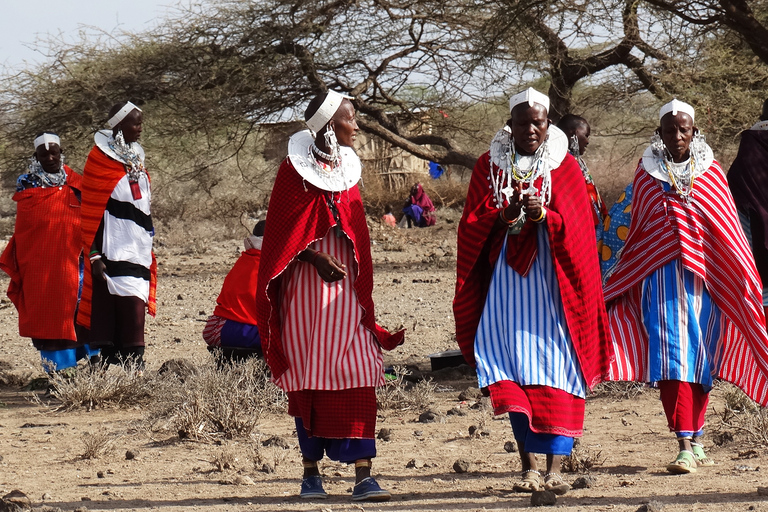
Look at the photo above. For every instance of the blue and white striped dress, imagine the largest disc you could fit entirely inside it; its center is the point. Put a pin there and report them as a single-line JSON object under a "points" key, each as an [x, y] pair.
{"points": [[522, 335], [684, 326]]}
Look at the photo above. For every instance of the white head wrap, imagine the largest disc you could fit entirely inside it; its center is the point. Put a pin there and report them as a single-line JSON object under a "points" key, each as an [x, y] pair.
{"points": [[529, 96], [676, 106], [47, 139], [127, 109], [330, 105]]}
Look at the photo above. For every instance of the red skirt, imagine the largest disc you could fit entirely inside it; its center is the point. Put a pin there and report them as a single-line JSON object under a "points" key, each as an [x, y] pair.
{"points": [[549, 410], [342, 414]]}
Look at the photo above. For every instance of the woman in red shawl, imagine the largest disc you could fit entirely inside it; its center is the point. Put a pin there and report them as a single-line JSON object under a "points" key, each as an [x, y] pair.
{"points": [[419, 209], [529, 305], [314, 307], [42, 257]]}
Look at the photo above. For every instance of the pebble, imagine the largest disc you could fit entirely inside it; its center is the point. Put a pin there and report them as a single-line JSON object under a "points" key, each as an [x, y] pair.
{"points": [[651, 506], [584, 482], [415, 463], [385, 434], [267, 468], [461, 466], [18, 498], [429, 416], [131, 454], [276, 441], [510, 447], [471, 393], [543, 499], [99, 474]]}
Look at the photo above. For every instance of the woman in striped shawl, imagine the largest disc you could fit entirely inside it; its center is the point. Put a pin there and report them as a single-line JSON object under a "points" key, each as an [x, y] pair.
{"points": [[529, 308], [685, 298]]}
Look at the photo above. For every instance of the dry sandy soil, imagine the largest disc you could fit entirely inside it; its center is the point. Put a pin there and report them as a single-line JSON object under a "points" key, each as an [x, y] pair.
{"points": [[40, 449]]}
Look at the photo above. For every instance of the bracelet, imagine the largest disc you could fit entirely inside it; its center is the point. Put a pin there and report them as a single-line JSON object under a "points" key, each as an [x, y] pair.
{"points": [[95, 251], [95, 257], [542, 215], [505, 220]]}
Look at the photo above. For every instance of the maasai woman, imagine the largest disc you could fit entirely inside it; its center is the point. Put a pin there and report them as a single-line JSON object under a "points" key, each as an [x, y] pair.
{"points": [[314, 306], [529, 307], [684, 298], [121, 274], [43, 256], [577, 129], [418, 210], [748, 180]]}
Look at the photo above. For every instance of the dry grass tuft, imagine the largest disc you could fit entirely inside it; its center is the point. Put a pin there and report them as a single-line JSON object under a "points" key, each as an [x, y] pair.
{"points": [[741, 418], [581, 459], [96, 444], [226, 458], [94, 386], [619, 390], [217, 401], [402, 395]]}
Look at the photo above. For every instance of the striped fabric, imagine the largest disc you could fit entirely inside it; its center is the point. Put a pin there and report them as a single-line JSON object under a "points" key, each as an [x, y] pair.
{"points": [[127, 242], [705, 234], [522, 335], [746, 225], [212, 330], [324, 340], [683, 324]]}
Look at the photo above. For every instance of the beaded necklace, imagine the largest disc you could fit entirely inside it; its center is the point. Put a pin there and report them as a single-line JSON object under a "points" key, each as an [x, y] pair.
{"points": [[506, 172]]}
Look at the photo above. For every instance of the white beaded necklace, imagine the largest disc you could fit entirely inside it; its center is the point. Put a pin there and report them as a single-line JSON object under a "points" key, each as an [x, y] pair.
{"points": [[506, 171]]}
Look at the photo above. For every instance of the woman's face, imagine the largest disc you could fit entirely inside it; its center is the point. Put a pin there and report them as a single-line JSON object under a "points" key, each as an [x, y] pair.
{"points": [[344, 124], [131, 126], [677, 132], [50, 159], [582, 133], [529, 127]]}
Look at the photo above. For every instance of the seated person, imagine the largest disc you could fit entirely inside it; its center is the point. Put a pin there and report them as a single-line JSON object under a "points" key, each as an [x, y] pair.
{"points": [[419, 210], [232, 327], [388, 218]]}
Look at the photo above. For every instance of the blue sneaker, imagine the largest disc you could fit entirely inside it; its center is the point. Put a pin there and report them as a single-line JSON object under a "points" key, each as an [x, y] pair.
{"points": [[368, 490], [312, 488]]}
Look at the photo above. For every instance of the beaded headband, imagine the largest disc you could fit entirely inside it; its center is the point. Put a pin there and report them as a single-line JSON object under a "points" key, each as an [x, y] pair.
{"points": [[676, 106], [330, 105], [117, 118], [47, 139], [529, 96]]}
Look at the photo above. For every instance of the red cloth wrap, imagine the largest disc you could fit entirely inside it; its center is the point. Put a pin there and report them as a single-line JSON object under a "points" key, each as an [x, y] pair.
{"points": [[685, 405], [237, 300], [42, 260], [706, 235], [297, 216], [549, 410], [100, 177], [572, 243], [343, 414]]}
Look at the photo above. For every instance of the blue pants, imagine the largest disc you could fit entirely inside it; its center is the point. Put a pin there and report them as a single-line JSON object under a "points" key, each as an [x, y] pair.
{"points": [[57, 360], [341, 450], [532, 442]]}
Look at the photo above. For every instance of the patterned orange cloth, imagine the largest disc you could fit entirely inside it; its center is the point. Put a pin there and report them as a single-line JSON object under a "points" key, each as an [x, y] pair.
{"points": [[100, 176], [42, 260]]}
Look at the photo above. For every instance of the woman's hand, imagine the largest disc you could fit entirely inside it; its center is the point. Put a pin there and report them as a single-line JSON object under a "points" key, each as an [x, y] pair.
{"points": [[328, 267], [512, 211], [532, 206], [98, 271]]}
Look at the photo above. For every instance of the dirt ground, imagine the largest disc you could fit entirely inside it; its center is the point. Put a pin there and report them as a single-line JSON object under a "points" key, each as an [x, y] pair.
{"points": [[40, 449]]}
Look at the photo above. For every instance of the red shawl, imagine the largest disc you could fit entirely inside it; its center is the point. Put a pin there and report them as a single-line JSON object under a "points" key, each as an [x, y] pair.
{"points": [[100, 177], [422, 200], [706, 235], [42, 260], [237, 300], [298, 216], [572, 242]]}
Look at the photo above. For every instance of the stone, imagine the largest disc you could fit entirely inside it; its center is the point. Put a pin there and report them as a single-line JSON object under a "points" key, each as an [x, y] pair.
{"points": [[471, 393], [7, 506], [472, 430], [510, 447], [543, 499], [461, 466], [267, 468], [18, 498], [762, 491], [276, 441], [384, 434], [243, 480], [131, 454], [415, 464], [99, 474], [456, 411], [584, 482], [429, 416], [651, 506]]}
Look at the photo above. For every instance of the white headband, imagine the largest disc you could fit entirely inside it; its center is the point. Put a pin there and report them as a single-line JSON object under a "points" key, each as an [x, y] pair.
{"points": [[127, 109], [47, 139], [529, 96], [676, 106], [330, 105]]}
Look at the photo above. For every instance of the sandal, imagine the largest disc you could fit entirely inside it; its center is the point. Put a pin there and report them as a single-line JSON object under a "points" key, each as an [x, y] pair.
{"points": [[554, 482], [701, 458], [531, 482], [684, 463]]}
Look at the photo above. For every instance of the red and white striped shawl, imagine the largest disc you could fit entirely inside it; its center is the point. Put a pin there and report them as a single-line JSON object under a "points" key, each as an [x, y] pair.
{"points": [[706, 235]]}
